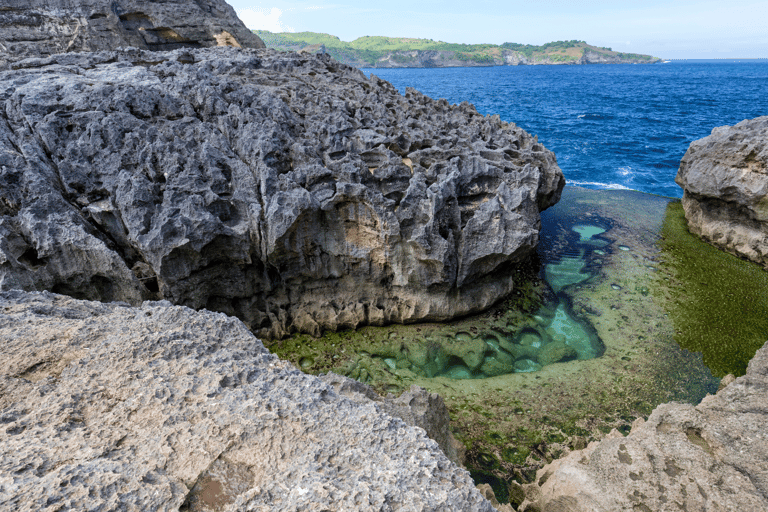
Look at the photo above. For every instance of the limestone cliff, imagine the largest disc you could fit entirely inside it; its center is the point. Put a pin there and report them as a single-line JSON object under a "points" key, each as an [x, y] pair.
{"points": [[725, 181], [33, 28], [288, 190]]}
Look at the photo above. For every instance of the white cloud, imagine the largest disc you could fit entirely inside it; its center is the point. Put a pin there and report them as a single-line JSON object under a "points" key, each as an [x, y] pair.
{"points": [[263, 19]]}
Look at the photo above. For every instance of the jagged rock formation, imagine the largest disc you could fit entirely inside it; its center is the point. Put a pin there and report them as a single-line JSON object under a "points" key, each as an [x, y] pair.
{"points": [[288, 190], [37, 28], [107, 407], [709, 457], [725, 181]]}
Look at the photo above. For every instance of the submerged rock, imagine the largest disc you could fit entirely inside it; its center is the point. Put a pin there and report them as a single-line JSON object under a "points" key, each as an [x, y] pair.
{"points": [[725, 181], [111, 407], [709, 457], [288, 190], [38, 28]]}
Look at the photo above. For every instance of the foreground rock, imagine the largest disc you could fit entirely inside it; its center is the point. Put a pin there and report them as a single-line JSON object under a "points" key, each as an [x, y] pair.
{"points": [[725, 179], [710, 457], [107, 407], [288, 190], [37, 28]]}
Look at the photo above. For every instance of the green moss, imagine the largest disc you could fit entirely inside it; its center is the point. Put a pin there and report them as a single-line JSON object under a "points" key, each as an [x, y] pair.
{"points": [[719, 302]]}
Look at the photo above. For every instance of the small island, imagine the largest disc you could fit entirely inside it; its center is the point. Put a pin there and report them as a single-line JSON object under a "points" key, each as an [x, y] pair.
{"points": [[403, 52]]}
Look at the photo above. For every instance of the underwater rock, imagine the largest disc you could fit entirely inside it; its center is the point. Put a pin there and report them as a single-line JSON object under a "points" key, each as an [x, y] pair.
{"points": [[38, 28], [288, 190], [555, 352], [709, 457], [566, 271], [159, 407], [725, 181]]}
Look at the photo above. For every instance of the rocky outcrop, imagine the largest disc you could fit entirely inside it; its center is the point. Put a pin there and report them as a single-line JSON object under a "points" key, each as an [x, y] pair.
{"points": [[111, 407], [35, 28], [288, 190], [725, 181], [708, 457]]}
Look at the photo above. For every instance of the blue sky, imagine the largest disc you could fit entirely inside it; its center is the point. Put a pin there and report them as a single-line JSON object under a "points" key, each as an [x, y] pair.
{"points": [[695, 29]]}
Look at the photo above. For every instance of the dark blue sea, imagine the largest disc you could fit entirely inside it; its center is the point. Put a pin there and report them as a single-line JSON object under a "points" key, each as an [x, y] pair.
{"points": [[610, 126]]}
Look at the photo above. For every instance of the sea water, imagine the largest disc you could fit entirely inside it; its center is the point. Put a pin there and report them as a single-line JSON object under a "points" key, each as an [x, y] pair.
{"points": [[619, 126]]}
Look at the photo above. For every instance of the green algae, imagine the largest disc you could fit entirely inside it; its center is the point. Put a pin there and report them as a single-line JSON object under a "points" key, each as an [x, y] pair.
{"points": [[719, 302], [512, 423]]}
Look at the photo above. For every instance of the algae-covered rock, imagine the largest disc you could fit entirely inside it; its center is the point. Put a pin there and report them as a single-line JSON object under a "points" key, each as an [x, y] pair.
{"points": [[712, 456], [555, 352]]}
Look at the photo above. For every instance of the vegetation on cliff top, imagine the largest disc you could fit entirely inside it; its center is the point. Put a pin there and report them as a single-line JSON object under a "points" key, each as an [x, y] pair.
{"points": [[379, 51]]}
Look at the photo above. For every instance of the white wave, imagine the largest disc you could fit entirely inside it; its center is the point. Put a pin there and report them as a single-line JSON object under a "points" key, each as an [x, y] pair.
{"points": [[582, 115], [625, 171], [610, 186]]}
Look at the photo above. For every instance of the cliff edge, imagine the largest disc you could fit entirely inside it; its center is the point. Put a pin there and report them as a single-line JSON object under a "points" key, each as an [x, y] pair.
{"points": [[37, 28]]}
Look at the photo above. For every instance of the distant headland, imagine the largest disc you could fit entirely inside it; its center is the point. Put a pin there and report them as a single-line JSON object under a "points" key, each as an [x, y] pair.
{"points": [[402, 52]]}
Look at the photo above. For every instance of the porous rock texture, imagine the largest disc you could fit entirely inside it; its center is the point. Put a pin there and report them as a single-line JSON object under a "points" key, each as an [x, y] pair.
{"points": [[713, 456], [725, 181], [37, 28], [113, 407], [288, 190], [417, 407]]}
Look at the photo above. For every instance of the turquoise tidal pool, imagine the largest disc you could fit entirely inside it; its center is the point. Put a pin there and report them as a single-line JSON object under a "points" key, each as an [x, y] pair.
{"points": [[608, 320]]}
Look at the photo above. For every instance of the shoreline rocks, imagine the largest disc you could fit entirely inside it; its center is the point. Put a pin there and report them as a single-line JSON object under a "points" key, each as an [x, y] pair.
{"points": [[107, 406], [39, 28], [288, 190], [725, 181], [708, 457]]}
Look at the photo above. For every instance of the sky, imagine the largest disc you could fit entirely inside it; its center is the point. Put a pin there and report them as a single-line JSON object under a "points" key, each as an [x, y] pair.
{"points": [[671, 29]]}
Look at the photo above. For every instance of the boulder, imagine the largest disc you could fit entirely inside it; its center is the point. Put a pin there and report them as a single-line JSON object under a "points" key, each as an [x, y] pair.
{"points": [[725, 181], [38, 28], [288, 190], [113, 407], [713, 456]]}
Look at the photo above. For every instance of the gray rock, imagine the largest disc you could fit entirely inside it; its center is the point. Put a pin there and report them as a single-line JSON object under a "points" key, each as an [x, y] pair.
{"points": [[111, 407], [288, 190], [713, 456], [38, 28], [725, 181], [416, 407]]}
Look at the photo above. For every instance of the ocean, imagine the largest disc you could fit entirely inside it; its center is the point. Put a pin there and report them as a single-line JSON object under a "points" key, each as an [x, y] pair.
{"points": [[618, 126]]}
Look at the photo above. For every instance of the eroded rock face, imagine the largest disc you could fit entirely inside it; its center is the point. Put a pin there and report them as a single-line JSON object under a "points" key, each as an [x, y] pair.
{"points": [[37, 28], [710, 457], [107, 407], [288, 190], [725, 179]]}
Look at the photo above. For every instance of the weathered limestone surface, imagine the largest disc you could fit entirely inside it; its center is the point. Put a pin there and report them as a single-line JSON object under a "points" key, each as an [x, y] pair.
{"points": [[725, 179], [710, 457], [112, 407], [417, 407], [288, 190], [37, 28]]}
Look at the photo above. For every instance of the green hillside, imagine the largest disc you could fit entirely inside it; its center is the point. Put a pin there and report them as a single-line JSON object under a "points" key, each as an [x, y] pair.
{"points": [[379, 51]]}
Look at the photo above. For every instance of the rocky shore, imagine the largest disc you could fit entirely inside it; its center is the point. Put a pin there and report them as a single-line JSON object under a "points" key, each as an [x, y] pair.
{"points": [[288, 190], [725, 179], [708, 457]]}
